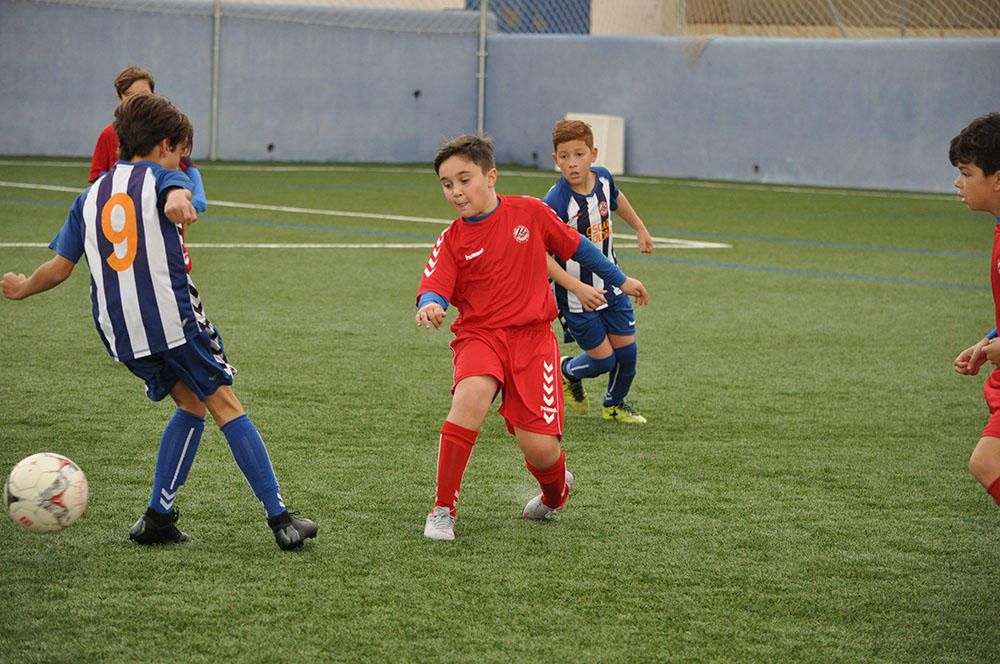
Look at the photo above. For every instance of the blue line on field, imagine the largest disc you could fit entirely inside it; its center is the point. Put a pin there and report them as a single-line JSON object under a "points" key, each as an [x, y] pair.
{"points": [[34, 201], [824, 245], [810, 273]]}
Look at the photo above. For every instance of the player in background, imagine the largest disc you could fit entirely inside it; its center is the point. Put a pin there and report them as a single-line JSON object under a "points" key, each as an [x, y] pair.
{"points": [[150, 316], [975, 151], [597, 314], [491, 263], [130, 81]]}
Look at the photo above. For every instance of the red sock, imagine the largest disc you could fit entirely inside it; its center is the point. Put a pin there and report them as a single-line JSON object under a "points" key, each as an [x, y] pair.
{"points": [[553, 482], [994, 490], [454, 450]]}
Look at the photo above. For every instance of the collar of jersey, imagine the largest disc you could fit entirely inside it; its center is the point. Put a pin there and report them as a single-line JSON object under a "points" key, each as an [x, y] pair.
{"points": [[473, 220]]}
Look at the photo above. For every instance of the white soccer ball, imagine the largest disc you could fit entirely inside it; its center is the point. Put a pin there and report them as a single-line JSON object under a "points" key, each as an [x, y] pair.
{"points": [[45, 492]]}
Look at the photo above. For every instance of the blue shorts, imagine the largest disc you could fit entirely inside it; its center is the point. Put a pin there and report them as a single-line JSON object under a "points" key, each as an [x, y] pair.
{"points": [[200, 364], [590, 328]]}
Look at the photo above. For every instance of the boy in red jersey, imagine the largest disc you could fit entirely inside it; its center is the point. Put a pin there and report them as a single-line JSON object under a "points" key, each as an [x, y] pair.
{"points": [[491, 263], [132, 81], [975, 151]]}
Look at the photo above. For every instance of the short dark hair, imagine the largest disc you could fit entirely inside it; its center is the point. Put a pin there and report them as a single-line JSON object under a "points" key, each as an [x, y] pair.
{"points": [[142, 121], [979, 144], [126, 77], [477, 149]]}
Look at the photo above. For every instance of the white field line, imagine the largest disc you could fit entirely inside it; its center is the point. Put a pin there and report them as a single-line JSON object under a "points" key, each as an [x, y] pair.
{"points": [[698, 184], [666, 243]]}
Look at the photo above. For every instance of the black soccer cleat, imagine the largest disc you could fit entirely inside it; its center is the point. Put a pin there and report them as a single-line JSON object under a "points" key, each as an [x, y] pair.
{"points": [[156, 528], [291, 532]]}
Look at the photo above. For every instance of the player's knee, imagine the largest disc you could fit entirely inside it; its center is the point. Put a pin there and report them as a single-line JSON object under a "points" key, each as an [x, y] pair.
{"points": [[224, 405], [984, 464], [603, 365]]}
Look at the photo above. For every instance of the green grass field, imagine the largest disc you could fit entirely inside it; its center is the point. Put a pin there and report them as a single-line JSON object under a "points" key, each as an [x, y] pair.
{"points": [[800, 493]]}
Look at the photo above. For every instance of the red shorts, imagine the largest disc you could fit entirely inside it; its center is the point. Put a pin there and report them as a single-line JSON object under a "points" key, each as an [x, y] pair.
{"points": [[991, 390], [526, 362]]}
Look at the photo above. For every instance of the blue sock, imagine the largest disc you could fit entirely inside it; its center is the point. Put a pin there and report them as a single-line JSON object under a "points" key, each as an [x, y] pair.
{"points": [[178, 446], [620, 380], [584, 366], [251, 456]]}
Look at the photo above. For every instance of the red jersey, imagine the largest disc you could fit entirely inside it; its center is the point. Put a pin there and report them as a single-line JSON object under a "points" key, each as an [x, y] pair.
{"points": [[995, 273], [494, 270], [105, 153]]}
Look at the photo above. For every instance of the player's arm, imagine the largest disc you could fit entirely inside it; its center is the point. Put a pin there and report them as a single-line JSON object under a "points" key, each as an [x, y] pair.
{"points": [[48, 275], [177, 206], [590, 298], [198, 199], [589, 256], [631, 217], [431, 308]]}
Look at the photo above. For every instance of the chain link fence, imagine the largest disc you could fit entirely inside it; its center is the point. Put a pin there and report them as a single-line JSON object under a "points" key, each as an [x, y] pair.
{"points": [[855, 19]]}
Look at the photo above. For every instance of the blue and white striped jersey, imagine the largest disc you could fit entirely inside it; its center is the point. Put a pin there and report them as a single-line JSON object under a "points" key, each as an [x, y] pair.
{"points": [[139, 286], [590, 215]]}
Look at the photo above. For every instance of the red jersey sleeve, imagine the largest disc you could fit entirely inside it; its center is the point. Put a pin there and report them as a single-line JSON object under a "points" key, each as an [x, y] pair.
{"points": [[105, 153], [440, 271]]}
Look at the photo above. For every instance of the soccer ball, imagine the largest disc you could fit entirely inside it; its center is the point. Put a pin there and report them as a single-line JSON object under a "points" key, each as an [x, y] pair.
{"points": [[45, 492]]}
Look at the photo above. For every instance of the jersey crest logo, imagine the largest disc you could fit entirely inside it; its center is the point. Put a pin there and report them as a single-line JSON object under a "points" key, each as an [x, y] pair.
{"points": [[521, 234], [603, 209]]}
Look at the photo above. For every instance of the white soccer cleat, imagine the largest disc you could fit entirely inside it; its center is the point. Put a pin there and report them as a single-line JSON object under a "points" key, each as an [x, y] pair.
{"points": [[539, 511], [440, 525]]}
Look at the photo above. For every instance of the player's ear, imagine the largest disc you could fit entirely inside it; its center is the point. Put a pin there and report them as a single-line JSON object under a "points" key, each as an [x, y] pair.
{"points": [[491, 177], [554, 159], [593, 153]]}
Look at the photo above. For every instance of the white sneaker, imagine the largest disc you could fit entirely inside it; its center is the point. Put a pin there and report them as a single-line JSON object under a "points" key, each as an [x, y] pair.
{"points": [[539, 511], [440, 524]]}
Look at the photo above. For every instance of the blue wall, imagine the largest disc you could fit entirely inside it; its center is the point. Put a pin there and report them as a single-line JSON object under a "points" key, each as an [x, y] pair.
{"points": [[870, 114], [310, 92]]}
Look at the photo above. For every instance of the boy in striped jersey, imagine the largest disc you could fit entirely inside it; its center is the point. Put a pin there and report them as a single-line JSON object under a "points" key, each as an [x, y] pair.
{"points": [[149, 315], [598, 315]]}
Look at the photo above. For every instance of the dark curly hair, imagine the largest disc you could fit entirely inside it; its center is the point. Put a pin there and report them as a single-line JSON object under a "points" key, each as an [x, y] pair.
{"points": [[979, 144]]}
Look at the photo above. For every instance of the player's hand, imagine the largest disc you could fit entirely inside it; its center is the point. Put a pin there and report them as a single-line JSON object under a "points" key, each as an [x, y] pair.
{"points": [[635, 288], [178, 207], [590, 298], [972, 358], [645, 242], [12, 286], [990, 351], [430, 314]]}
